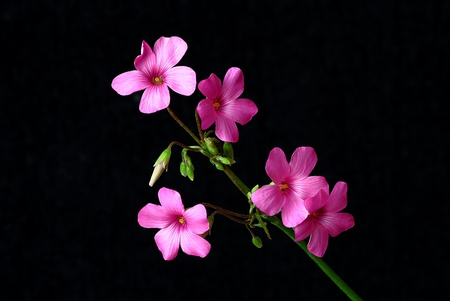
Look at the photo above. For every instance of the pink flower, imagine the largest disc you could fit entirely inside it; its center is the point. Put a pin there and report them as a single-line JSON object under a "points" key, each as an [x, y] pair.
{"points": [[292, 185], [178, 226], [324, 218], [223, 106], [156, 74]]}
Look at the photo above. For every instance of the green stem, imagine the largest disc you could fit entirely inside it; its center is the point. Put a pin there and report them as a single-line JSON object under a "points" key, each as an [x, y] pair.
{"points": [[319, 261]]}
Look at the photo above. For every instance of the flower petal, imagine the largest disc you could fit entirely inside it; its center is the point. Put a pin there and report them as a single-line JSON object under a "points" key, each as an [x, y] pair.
{"points": [[211, 87], [154, 216], [171, 201], [196, 219], [268, 199], [318, 242], [130, 82], [277, 167], [195, 245], [169, 52], [303, 161], [304, 229], [226, 129], [241, 110], [316, 202], [308, 187], [205, 109], [336, 223], [168, 241], [338, 198], [181, 79], [293, 212], [233, 84], [154, 98], [146, 62]]}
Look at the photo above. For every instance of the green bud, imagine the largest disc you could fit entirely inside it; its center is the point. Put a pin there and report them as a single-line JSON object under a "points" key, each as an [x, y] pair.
{"points": [[228, 150], [223, 160], [161, 164], [190, 173], [210, 144], [216, 164], [183, 169], [257, 242]]}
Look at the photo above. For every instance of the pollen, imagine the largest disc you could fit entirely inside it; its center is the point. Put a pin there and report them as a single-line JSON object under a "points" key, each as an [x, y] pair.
{"points": [[157, 80], [182, 220], [216, 104], [283, 187]]}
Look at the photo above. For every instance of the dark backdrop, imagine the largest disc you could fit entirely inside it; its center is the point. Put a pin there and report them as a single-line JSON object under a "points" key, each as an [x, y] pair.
{"points": [[363, 83]]}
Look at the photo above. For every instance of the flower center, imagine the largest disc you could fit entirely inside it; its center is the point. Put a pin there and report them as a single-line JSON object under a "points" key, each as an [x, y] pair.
{"points": [[157, 80], [283, 187], [315, 214], [216, 104], [182, 220]]}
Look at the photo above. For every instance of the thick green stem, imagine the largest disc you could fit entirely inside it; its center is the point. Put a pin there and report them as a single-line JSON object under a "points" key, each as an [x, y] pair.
{"points": [[319, 261]]}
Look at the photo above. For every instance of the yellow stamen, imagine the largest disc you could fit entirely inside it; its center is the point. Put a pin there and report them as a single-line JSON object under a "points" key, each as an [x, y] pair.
{"points": [[283, 187], [157, 80], [181, 220], [216, 104]]}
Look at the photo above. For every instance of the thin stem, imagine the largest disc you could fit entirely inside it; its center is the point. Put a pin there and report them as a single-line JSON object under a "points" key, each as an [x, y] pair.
{"points": [[183, 126], [199, 129], [246, 216], [319, 261]]}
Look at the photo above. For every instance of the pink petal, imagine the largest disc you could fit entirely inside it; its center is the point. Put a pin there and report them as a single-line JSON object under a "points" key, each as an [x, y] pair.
{"points": [[181, 79], [207, 113], [154, 98], [154, 216], [268, 199], [130, 82], [195, 245], [169, 52], [308, 187], [226, 129], [233, 84], [196, 219], [336, 223], [303, 161], [171, 201], [316, 202], [241, 110], [277, 167], [211, 87], [318, 242], [168, 241], [146, 62], [304, 229], [293, 212], [338, 198]]}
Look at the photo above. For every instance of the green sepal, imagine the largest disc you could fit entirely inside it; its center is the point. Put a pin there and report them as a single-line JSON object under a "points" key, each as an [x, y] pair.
{"points": [[257, 242]]}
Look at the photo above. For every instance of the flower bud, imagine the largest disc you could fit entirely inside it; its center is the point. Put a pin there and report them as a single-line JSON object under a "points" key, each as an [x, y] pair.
{"points": [[161, 163], [257, 242], [228, 150], [210, 144]]}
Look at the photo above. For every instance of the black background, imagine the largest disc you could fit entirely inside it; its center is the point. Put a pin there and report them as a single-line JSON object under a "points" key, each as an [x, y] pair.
{"points": [[364, 84]]}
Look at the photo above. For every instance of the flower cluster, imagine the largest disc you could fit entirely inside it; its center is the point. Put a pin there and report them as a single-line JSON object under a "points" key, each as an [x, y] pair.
{"points": [[304, 201]]}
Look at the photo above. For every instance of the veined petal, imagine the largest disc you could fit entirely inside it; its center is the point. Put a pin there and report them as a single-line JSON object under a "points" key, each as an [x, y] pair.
{"points": [[130, 82], [316, 202], [226, 129], [181, 79], [336, 223], [195, 245], [154, 98], [304, 229], [211, 87], [196, 219], [154, 216], [308, 187], [146, 62], [241, 110], [338, 198], [293, 212], [268, 199], [206, 112], [303, 161], [168, 241], [233, 84], [171, 201], [169, 52], [277, 167], [318, 242]]}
